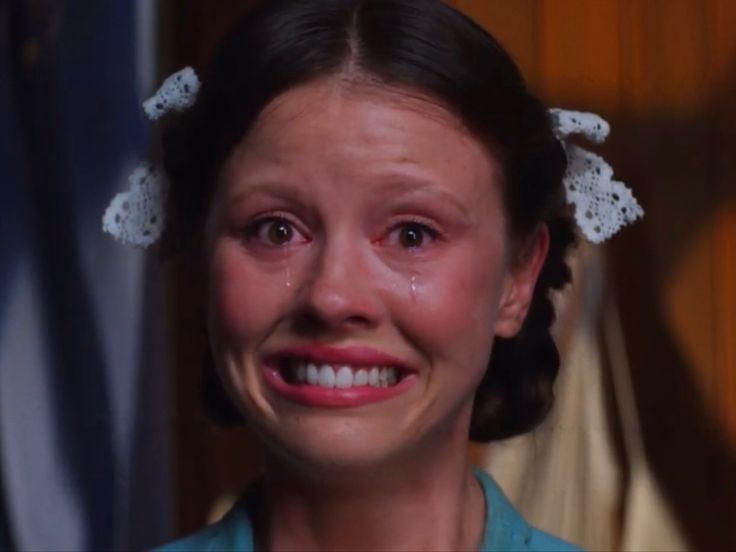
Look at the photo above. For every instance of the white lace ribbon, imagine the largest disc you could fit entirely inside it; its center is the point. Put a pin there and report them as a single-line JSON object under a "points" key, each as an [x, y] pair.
{"points": [[602, 205], [178, 92], [137, 217]]}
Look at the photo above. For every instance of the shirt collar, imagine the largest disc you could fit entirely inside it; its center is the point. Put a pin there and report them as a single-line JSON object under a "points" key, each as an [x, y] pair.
{"points": [[505, 530]]}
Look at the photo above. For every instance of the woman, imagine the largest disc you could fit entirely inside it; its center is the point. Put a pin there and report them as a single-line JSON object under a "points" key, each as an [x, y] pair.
{"points": [[378, 202]]}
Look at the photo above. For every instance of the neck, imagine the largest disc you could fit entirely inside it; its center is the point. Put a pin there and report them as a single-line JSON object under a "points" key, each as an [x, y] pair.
{"points": [[431, 504]]}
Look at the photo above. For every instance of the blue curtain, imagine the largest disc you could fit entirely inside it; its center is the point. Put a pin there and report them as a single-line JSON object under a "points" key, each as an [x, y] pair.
{"points": [[83, 430]]}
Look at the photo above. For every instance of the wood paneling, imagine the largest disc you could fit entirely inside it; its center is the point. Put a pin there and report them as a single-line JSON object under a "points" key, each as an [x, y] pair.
{"points": [[721, 22], [211, 462], [579, 54], [666, 43], [515, 28]]}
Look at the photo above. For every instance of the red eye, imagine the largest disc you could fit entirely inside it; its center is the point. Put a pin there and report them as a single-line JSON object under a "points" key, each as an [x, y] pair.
{"points": [[412, 235], [274, 232]]}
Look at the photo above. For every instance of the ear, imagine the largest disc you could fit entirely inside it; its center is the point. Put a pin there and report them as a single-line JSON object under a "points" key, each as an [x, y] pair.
{"points": [[519, 285]]}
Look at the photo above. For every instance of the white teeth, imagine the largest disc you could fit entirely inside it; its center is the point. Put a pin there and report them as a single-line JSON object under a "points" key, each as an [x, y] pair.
{"points": [[344, 378], [361, 378], [312, 374], [383, 377], [374, 377], [326, 376]]}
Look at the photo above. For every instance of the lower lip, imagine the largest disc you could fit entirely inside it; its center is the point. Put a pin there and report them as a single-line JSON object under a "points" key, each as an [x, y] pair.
{"points": [[315, 395]]}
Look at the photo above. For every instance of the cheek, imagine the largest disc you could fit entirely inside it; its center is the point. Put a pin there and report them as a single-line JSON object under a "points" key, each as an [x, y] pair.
{"points": [[454, 308], [241, 299]]}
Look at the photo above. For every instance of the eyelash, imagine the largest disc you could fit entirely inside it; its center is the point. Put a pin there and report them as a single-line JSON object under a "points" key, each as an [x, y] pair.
{"points": [[426, 231], [254, 232]]}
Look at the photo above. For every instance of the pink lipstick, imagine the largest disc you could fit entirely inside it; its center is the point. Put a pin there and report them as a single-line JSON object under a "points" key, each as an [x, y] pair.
{"points": [[338, 377]]}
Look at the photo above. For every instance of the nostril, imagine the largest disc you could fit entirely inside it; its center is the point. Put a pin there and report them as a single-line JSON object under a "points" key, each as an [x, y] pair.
{"points": [[358, 321]]}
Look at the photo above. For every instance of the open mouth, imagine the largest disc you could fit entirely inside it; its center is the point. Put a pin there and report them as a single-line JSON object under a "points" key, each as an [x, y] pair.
{"points": [[318, 375], [302, 372]]}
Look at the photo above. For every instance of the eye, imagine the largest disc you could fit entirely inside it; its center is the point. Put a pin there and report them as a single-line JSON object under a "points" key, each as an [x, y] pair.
{"points": [[279, 232], [412, 235], [273, 232]]}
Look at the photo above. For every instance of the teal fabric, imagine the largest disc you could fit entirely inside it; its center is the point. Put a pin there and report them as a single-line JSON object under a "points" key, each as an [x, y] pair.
{"points": [[505, 529]]}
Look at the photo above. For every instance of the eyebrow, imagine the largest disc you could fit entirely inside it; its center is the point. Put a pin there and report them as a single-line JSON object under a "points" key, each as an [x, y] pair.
{"points": [[273, 188], [394, 184], [403, 184]]}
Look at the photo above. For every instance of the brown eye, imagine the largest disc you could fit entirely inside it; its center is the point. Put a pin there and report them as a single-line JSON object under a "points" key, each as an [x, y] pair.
{"points": [[279, 232], [411, 236], [273, 232], [414, 235]]}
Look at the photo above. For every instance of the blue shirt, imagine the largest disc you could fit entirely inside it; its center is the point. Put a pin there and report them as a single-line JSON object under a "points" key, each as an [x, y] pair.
{"points": [[505, 530]]}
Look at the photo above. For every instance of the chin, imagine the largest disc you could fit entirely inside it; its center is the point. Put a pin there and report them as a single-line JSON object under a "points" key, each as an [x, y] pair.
{"points": [[334, 445]]}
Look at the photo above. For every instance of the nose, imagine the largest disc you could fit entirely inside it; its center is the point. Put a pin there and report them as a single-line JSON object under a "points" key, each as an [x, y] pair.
{"points": [[339, 294]]}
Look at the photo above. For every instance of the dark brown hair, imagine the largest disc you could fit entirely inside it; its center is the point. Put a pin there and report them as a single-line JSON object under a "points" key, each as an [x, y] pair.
{"points": [[426, 46]]}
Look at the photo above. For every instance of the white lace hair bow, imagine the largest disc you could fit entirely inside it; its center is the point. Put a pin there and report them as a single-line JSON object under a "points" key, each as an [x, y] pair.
{"points": [[602, 205], [137, 217]]}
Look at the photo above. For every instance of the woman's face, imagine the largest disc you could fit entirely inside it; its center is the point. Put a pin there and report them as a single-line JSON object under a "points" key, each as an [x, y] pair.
{"points": [[358, 273]]}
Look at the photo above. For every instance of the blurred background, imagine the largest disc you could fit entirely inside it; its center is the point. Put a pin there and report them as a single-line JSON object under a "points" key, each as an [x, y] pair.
{"points": [[103, 440]]}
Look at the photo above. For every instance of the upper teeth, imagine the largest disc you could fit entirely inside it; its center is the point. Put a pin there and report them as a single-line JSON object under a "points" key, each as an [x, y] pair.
{"points": [[345, 376]]}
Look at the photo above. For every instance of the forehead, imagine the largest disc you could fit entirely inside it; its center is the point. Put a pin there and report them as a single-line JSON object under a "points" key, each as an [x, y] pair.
{"points": [[364, 112], [336, 95], [362, 135]]}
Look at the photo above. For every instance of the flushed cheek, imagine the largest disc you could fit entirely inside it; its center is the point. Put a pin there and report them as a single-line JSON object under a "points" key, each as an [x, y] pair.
{"points": [[243, 307], [452, 313], [244, 302]]}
